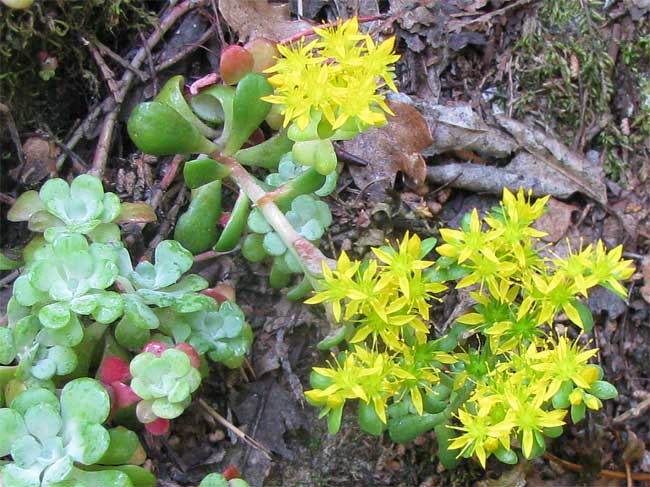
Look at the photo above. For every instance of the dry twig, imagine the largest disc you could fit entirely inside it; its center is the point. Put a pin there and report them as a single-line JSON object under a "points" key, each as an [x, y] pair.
{"points": [[610, 474], [106, 134], [236, 431]]}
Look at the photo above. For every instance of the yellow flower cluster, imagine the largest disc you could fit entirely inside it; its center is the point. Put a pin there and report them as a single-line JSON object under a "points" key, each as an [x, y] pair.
{"points": [[526, 396], [386, 303], [519, 289], [336, 77], [511, 383]]}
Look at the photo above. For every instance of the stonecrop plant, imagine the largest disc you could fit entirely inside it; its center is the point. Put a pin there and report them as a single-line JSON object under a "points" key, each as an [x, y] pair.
{"points": [[502, 377], [79, 306]]}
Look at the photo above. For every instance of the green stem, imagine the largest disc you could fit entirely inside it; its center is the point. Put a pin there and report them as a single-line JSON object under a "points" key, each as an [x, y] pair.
{"points": [[309, 256]]}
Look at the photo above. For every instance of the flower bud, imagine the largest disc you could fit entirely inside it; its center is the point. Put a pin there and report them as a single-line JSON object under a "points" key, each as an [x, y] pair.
{"points": [[576, 396], [264, 53], [590, 373], [592, 402], [491, 444]]}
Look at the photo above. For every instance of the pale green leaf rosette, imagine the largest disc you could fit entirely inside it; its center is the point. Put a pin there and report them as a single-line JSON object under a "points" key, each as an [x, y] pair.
{"points": [[46, 436], [165, 383], [222, 335]]}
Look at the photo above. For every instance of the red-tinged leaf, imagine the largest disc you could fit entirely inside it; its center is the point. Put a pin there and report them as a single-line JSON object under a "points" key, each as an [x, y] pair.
{"points": [[264, 52], [158, 427], [139, 212], [220, 293], [231, 472], [123, 395], [191, 352], [114, 369], [236, 62], [155, 347]]}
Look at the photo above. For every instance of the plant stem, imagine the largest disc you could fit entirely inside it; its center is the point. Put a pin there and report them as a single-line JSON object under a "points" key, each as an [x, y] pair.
{"points": [[310, 257]]}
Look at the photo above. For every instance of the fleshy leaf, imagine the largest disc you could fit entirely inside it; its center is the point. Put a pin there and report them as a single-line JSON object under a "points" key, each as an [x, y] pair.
{"points": [[85, 399], [12, 427]]}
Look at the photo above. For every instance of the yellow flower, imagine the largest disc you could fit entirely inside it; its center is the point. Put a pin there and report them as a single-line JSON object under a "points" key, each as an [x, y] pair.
{"points": [[399, 264], [608, 268], [527, 415], [336, 76], [565, 360], [338, 285]]}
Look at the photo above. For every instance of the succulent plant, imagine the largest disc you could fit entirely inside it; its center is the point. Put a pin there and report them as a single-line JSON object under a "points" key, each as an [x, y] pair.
{"points": [[165, 383], [47, 437], [218, 480], [156, 285], [81, 207]]}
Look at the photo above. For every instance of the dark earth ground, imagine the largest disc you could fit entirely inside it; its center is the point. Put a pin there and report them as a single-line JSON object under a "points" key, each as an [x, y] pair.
{"points": [[543, 63]]}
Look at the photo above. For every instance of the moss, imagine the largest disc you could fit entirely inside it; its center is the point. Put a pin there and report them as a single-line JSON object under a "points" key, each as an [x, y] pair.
{"points": [[563, 68], [54, 28]]}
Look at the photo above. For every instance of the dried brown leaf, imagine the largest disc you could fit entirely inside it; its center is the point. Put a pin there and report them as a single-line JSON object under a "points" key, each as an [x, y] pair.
{"points": [[645, 271], [396, 146], [561, 162], [40, 161], [138, 212], [459, 128], [258, 18], [556, 220]]}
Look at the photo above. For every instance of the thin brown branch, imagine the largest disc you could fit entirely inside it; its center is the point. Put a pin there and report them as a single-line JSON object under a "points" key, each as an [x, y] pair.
{"points": [[236, 431], [634, 412], [611, 474], [106, 51], [107, 73], [152, 66], [185, 52], [106, 134]]}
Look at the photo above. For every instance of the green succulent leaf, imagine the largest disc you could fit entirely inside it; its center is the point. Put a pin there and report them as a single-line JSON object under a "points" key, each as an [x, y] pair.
{"points": [[222, 334], [171, 95], [43, 421], [309, 216], [603, 390], [12, 427], [71, 267], [249, 111], [214, 480], [25, 206], [85, 399], [171, 262], [257, 223], [7, 346], [7, 264], [253, 247], [160, 130], [55, 315], [26, 294], [85, 441], [123, 444], [81, 206], [105, 307], [273, 244]]}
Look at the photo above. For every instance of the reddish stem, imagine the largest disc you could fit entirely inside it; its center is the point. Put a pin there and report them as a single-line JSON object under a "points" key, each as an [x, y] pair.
{"points": [[310, 32]]}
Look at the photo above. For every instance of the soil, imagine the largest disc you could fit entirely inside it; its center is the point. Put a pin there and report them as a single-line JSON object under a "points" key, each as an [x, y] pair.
{"points": [[461, 52]]}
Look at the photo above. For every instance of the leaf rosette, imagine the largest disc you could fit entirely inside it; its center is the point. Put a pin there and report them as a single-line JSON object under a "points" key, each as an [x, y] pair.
{"points": [[165, 383], [46, 436]]}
